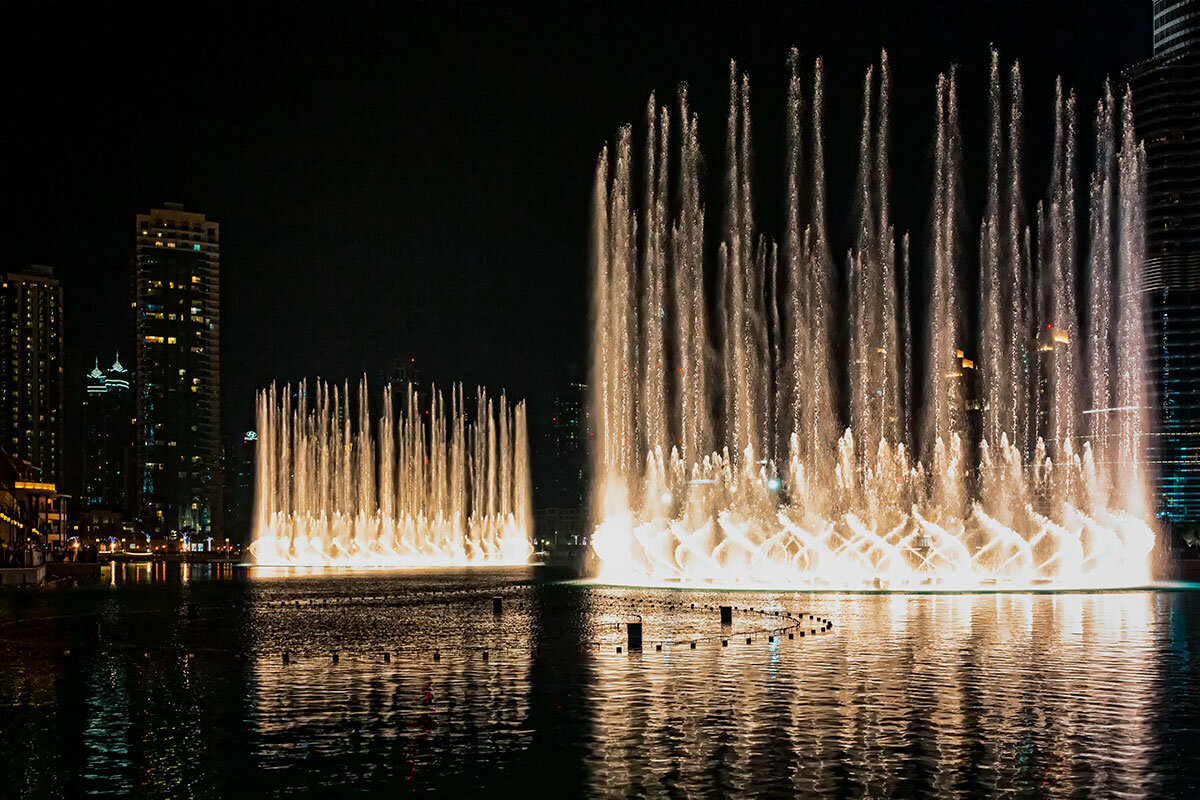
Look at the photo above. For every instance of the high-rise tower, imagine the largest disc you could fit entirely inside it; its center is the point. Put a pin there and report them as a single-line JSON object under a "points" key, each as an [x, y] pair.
{"points": [[1166, 104], [108, 439], [31, 383], [177, 293], [1176, 27]]}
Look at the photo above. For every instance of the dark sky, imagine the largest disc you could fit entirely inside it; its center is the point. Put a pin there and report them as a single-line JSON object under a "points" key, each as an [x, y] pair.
{"points": [[413, 180]]}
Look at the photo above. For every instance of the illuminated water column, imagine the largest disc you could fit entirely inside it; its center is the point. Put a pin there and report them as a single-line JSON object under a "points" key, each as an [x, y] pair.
{"points": [[429, 486]]}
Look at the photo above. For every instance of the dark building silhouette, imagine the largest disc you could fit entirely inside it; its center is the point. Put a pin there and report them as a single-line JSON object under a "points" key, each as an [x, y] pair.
{"points": [[404, 379], [108, 439], [567, 445], [562, 472], [239, 480], [31, 387], [177, 294], [1166, 104]]}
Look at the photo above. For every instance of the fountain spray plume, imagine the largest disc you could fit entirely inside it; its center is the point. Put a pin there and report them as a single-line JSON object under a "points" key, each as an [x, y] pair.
{"points": [[432, 487], [716, 456]]}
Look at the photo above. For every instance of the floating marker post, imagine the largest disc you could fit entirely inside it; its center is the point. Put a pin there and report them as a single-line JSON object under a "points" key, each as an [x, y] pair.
{"points": [[335, 656], [287, 657], [726, 615], [497, 605], [387, 658], [437, 656]]}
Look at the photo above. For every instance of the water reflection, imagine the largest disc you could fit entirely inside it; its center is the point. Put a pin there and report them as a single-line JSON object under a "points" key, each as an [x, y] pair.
{"points": [[118, 690], [915, 695]]}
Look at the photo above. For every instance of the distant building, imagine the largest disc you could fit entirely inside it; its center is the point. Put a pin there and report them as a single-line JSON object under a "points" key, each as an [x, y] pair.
{"points": [[1166, 104], [11, 523], [31, 509], [239, 478], [108, 439], [177, 318], [1176, 27], [566, 446], [403, 376], [1050, 342], [555, 528], [31, 386]]}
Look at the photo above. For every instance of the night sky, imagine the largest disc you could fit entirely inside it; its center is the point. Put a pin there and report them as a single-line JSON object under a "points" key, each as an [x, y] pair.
{"points": [[413, 180]]}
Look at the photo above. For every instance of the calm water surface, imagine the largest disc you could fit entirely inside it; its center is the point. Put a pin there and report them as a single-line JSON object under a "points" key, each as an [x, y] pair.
{"points": [[113, 689]]}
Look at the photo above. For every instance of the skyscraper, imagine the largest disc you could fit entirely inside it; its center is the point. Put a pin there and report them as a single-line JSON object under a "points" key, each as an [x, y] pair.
{"points": [[562, 472], [1176, 27], [567, 444], [177, 293], [108, 439], [32, 381], [1166, 104]]}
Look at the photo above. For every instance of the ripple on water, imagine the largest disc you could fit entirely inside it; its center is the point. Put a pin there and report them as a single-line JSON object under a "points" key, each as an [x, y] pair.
{"points": [[909, 695]]}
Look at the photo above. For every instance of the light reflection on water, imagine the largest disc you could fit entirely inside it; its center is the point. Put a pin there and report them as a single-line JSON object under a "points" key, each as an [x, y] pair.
{"points": [[909, 695]]}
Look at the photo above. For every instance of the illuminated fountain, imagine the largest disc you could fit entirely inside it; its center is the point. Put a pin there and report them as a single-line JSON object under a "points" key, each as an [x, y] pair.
{"points": [[435, 486], [760, 425]]}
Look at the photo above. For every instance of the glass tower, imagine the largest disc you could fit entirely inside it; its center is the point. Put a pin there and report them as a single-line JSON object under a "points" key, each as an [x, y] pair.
{"points": [[108, 438], [178, 327], [1166, 102]]}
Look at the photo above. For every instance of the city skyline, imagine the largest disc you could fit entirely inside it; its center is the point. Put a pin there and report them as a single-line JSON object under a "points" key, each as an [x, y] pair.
{"points": [[546, 385], [605, 398], [337, 185]]}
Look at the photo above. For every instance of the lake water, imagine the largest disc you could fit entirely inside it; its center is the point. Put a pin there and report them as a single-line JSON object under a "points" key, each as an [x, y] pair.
{"points": [[114, 689]]}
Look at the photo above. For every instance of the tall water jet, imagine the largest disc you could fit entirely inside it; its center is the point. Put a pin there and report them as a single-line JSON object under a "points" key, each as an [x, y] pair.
{"points": [[716, 453], [430, 487]]}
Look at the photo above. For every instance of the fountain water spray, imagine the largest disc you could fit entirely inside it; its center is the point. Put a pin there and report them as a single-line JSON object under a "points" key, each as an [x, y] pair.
{"points": [[717, 457], [433, 487]]}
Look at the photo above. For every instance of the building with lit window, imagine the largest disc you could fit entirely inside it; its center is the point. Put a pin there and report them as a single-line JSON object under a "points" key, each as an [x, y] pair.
{"points": [[108, 439], [177, 322], [31, 389], [1166, 105], [567, 446], [561, 473], [1176, 27]]}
